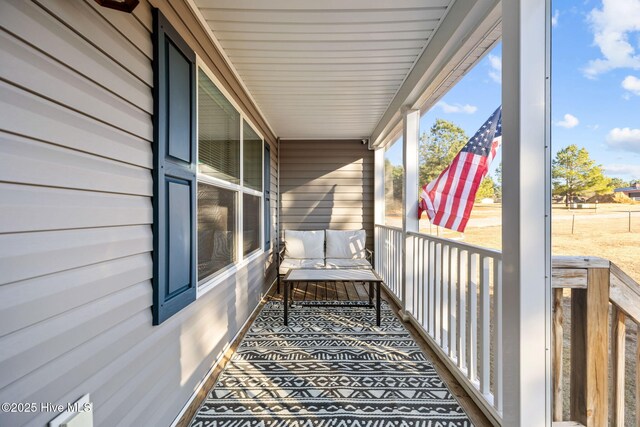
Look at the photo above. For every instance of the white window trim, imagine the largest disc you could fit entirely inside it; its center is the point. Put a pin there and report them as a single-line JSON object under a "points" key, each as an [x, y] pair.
{"points": [[243, 261], [252, 192], [228, 271]]}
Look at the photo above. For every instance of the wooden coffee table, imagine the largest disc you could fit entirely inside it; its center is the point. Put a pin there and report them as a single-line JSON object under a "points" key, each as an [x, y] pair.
{"points": [[366, 275]]}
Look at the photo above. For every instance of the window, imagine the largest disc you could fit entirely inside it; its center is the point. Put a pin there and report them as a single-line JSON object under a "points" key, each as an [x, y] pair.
{"points": [[218, 133], [250, 223], [252, 156], [216, 229], [230, 174], [208, 198]]}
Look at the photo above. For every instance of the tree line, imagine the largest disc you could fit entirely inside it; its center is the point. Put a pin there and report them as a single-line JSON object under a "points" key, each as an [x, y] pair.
{"points": [[573, 172]]}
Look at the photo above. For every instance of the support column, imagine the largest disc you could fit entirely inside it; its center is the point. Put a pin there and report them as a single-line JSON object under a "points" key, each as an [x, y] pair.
{"points": [[525, 213], [378, 190], [378, 204], [410, 138]]}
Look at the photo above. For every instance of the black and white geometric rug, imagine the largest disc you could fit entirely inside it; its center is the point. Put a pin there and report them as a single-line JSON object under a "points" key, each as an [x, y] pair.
{"points": [[330, 367]]}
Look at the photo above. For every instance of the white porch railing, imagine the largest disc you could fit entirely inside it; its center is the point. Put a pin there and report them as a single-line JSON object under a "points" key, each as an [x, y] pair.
{"points": [[388, 257], [453, 298]]}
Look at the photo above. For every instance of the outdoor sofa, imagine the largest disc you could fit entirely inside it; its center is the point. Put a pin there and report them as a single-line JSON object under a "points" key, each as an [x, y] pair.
{"points": [[329, 249]]}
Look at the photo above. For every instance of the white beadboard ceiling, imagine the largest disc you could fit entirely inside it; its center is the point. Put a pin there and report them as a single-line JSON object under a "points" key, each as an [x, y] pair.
{"points": [[323, 68]]}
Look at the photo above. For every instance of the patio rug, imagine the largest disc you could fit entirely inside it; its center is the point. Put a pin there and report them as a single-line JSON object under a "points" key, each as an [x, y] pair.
{"points": [[330, 367]]}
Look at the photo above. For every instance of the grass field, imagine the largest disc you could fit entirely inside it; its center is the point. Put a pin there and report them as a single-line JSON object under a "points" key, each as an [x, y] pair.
{"points": [[602, 232]]}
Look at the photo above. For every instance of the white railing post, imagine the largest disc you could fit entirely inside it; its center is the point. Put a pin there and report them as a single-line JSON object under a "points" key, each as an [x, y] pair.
{"points": [[410, 136], [526, 295]]}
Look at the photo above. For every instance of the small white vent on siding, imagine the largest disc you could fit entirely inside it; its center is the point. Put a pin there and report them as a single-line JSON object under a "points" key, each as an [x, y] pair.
{"points": [[76, 414]]}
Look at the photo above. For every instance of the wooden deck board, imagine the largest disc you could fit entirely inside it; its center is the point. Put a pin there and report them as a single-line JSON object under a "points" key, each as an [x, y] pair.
{"points": [[352, 293], [330, 291], [363, 291], [341, 291]]}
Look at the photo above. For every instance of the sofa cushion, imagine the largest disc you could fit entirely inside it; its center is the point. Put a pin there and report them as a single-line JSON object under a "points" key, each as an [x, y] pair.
{"points": [[346, 244], [346, 263], [289, 263], [304, 244]]}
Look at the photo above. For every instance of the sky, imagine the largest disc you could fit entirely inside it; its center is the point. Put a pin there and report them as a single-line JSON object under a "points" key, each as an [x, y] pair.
{"points": [[595, 78]]}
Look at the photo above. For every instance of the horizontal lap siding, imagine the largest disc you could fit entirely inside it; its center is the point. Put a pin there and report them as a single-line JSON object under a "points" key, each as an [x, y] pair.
{"points": [[75, 219], [326, 184]]}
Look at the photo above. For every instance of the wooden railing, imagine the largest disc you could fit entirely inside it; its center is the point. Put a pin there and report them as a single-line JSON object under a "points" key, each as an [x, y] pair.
{"points": [[599, 290], [452, 295]]}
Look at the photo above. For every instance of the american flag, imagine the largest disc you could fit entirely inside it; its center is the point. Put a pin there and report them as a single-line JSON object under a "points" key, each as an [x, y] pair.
{"points": [[448, 199]]}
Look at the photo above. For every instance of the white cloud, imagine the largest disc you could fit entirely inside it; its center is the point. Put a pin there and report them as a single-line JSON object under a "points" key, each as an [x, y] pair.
{"points": [[624, 139], [495, 62], [612, 26], [623, 170], [554, 18], [632, 84], [570, 121], [457, 108]]}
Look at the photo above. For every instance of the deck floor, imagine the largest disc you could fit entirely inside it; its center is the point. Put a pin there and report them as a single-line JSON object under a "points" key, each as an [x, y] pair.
{"points": [[286, 345], [330, 291]]}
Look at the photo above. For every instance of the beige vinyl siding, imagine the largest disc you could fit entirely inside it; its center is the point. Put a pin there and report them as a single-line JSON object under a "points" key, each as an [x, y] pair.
{"points": [[75, 219], [326, 184]]}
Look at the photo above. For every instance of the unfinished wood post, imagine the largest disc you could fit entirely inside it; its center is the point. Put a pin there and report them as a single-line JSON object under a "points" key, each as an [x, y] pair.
{"points": [[637, 377], [589, 350], [558, 341], [618, 334]]}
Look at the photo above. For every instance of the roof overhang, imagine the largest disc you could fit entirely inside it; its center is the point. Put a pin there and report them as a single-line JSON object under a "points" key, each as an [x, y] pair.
{"points": [[346, 68], [468, 33]]}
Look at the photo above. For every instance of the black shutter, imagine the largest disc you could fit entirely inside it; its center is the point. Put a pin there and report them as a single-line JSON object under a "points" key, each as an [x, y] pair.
{"points": [[174, 172], [266, 170]]}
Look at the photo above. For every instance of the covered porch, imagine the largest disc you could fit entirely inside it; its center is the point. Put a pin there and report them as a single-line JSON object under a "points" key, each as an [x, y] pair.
{"points": [[330, 79], [158, 303], [340, 83]]}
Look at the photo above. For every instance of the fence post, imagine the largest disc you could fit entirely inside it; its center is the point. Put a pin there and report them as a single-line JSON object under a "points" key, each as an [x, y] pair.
{"points": [[618, 335], [589, 350], [557, 343]]}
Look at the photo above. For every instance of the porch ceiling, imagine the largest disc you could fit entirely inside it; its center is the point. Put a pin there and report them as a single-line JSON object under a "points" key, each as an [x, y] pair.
{"points": [[323, 69]]}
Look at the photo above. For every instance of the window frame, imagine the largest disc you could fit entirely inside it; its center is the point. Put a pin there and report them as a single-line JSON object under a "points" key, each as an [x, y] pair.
{"points": [[212, 281]]}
